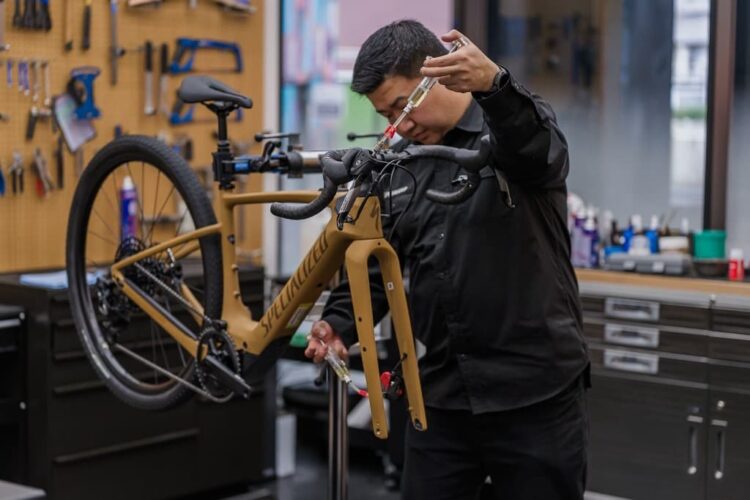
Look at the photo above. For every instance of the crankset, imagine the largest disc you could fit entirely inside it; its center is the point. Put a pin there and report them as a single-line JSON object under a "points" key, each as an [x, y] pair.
{"points": [[217, 365]]}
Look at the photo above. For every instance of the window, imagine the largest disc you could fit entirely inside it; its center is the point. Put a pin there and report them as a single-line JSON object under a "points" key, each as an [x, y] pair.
{"points": [[738, 175], [627, 79]]}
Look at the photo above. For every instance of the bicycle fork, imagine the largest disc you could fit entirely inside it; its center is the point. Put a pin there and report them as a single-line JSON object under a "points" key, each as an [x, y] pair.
{"points": [[356, 259]]}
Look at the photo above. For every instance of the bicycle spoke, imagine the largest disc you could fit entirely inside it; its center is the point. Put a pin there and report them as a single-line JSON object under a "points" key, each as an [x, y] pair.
{"points": [[140, 207], [158, 215], [102, 238], [156, 199], [104, 223]]}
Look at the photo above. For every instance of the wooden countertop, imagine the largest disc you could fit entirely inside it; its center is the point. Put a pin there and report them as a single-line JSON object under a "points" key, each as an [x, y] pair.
{"points": [[668, 282]]}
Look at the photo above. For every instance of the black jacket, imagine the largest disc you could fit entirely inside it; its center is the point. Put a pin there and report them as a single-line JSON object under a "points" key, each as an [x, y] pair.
{"points": [[492, 293]]}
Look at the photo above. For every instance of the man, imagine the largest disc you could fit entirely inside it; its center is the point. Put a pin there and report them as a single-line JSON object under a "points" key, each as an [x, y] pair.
{"points": [[493, 296]]}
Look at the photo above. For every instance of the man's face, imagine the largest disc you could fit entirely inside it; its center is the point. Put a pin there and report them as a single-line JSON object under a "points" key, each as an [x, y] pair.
{"points": [[427, 124]]}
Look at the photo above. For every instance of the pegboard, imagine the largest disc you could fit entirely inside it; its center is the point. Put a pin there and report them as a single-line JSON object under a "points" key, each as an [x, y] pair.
{"points": [[33, 228]]}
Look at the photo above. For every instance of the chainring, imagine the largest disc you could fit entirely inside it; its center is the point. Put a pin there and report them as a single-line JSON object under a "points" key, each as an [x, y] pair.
{"points": [[216, 342]]}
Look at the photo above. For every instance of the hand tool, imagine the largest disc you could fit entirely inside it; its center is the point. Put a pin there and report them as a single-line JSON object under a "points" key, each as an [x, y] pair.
{"points": [[86, 38], [35, 114], [2, 181], [36, 84], [67, 24], [3, 45], [9, 73], [43, 20], [81, 88], [148, 75], [115, 51], [17, 22], [29, 13], [79, 162], [76, 132], [60, 162], [16, 173], [163, 75], [187, 47], [43, 180], [47, 96], [23, 76]]}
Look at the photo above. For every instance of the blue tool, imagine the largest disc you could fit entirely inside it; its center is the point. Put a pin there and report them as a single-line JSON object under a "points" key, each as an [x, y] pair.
{"points": [[81, 88], [184, 55]]}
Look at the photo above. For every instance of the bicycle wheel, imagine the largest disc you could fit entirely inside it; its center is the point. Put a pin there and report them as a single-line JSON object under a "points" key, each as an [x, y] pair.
{"points": [[134, 194]]}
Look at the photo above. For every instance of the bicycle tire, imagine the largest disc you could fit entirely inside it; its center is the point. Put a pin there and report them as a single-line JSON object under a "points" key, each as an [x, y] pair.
{"points": [[117, 153]]}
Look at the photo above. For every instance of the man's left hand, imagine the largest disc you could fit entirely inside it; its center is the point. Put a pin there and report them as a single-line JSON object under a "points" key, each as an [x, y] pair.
{"points": [[467, 69]]}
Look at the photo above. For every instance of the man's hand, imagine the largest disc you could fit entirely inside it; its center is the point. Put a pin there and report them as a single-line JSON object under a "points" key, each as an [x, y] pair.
{"points": [[465, 70], [321, 330]]}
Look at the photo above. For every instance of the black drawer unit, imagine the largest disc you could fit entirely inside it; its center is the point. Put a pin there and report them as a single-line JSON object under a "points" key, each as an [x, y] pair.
{"points": [[12, 394], [670, 402], [83, 443]]}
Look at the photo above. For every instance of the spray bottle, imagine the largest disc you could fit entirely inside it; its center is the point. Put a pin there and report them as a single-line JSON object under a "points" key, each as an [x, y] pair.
{"points": [[128, 209]]}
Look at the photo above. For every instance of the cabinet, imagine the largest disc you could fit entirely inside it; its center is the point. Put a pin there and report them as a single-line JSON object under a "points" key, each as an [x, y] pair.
{"points": [[84, 443], [12, 393], [670, 402]]}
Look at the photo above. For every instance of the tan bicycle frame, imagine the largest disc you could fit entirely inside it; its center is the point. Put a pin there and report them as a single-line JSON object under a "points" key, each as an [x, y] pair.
{"points": [[353, 246]]}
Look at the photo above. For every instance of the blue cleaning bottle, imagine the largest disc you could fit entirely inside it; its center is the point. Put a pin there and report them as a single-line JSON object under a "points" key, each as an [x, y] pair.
{"points": [[128, 209], [653, 234]]}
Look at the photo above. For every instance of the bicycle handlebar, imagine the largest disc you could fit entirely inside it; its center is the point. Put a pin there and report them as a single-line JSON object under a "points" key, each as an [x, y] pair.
{"points": [[342, 166]]}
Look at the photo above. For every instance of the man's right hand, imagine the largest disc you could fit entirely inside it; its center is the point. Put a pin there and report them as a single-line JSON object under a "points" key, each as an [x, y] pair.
{"points": [[322, 330]]}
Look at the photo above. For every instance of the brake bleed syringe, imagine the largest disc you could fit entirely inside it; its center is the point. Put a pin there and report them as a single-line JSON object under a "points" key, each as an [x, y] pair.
{"points": [[415, 99], [339, 367]]}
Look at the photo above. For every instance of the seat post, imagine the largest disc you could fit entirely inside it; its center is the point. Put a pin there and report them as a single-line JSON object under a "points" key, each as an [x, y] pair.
{"points": [[223, 150]]}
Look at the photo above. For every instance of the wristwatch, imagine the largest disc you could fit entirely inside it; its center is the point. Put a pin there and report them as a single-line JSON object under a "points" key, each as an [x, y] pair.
{"points": [[497, 82]]}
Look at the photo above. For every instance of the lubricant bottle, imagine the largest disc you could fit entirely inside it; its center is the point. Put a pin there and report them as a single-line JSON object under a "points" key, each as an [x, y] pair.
{"points": [[128, 209]]}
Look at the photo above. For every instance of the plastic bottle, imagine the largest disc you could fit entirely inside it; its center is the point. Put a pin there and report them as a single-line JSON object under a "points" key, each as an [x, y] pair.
{"points": [[579, 243], [128, 209], [635, 228], [591, 235], [736, 265], [653, 234]]}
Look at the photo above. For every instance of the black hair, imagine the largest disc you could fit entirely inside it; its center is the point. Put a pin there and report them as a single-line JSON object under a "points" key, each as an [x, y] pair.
{"points": [[399, 48]]}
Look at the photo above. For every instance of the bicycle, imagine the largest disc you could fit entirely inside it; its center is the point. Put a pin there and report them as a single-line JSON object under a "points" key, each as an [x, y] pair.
{"points": [[197, 325]]}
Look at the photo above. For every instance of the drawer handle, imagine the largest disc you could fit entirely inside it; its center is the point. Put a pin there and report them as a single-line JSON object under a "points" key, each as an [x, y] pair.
{"points": [[693, 422], [631, 335], [9, 323], [631, 309], [721, 432], [631, 362]]}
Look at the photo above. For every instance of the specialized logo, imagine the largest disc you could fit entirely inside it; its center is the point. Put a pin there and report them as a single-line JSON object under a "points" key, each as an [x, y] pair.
{"points": [[290, 290]]}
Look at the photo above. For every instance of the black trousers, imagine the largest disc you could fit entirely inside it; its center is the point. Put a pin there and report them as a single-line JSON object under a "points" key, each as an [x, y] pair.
{"points": [[532, 453]]}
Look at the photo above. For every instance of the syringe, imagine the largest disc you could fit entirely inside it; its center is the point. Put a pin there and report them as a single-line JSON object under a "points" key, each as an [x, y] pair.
{"points": [[415, 99], [339, 367]]}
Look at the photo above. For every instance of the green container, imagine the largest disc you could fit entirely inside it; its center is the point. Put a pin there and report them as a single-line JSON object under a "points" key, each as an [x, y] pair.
{"points": [[710, 244]]}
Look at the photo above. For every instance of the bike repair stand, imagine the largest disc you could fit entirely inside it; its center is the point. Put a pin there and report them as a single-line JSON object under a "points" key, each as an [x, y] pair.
{"points": [[338, 437]]}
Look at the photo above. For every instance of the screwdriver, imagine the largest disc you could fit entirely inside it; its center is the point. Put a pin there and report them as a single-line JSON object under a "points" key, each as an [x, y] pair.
{"points": [[415, 99]]}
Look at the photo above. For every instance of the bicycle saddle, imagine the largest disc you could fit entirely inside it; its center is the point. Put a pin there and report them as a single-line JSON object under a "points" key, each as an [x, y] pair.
{"points": [[204, 89]]}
